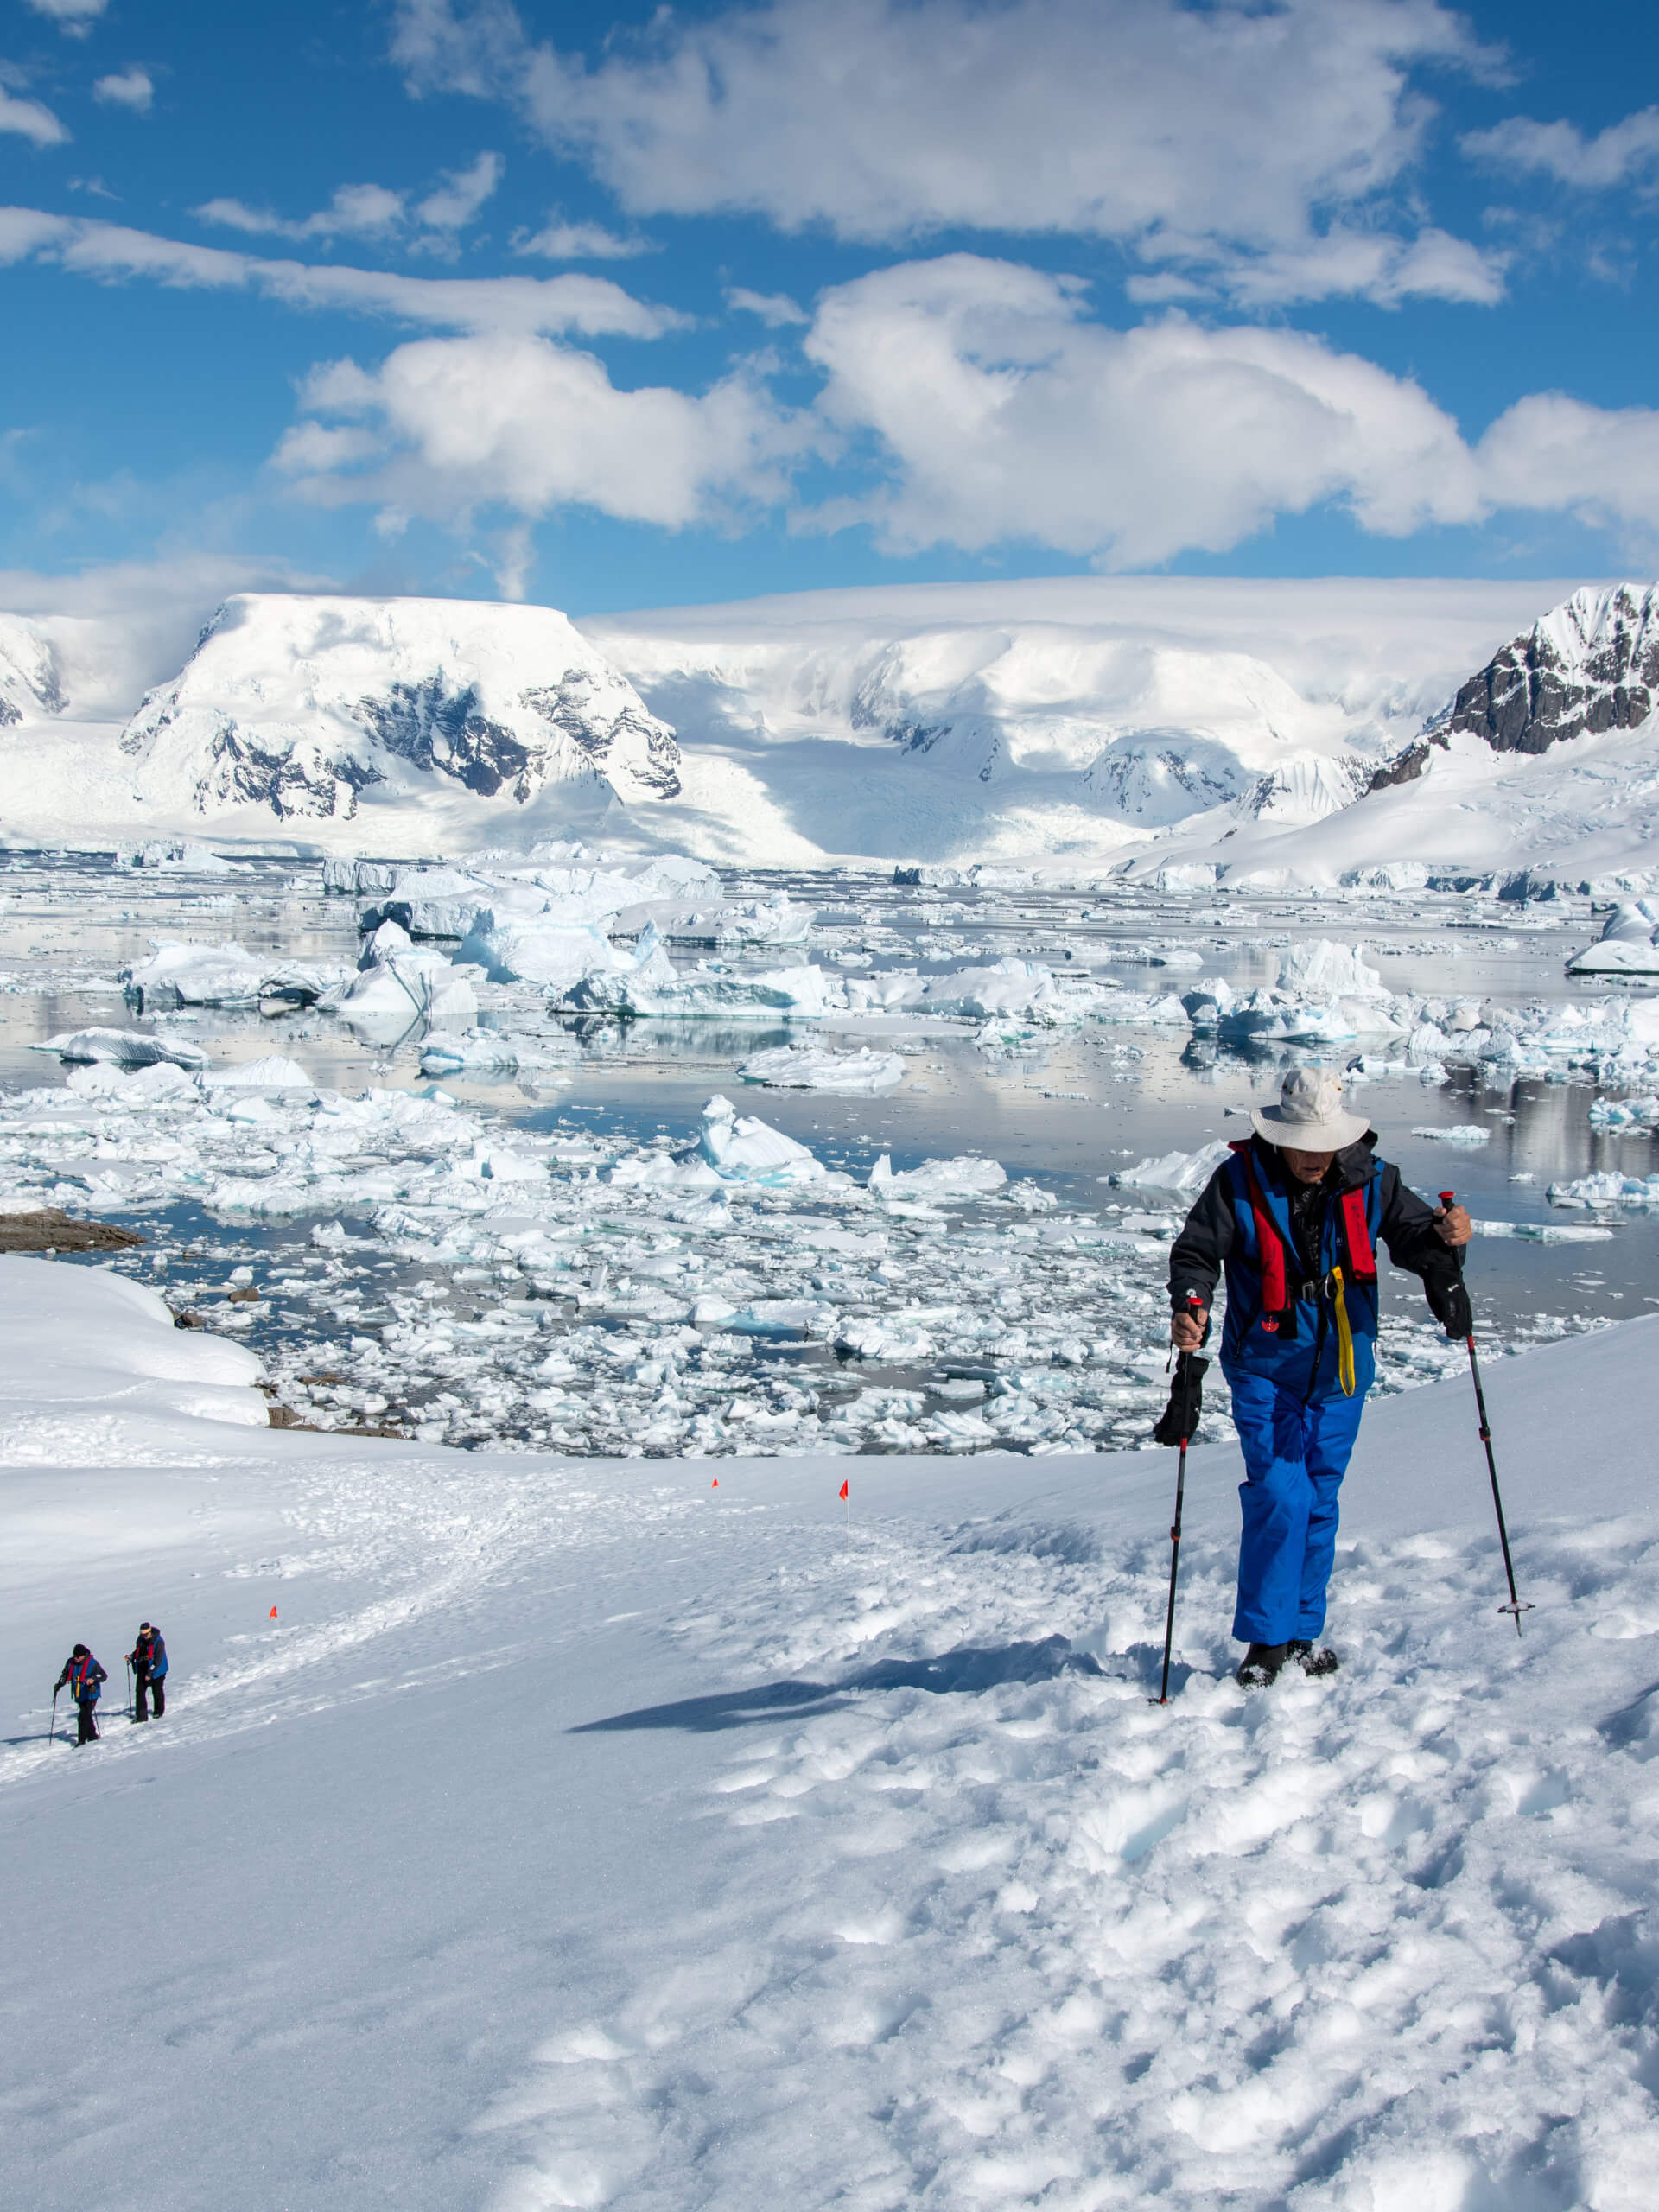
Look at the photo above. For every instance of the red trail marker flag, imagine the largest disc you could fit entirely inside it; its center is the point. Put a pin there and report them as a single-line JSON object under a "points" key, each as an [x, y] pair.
{"points": [[841, 1494]]}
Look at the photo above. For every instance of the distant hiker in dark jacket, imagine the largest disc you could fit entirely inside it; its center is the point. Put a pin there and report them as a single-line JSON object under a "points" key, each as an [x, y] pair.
{"points": [[1293, 1218], [84, 1678], [148, 1660]]}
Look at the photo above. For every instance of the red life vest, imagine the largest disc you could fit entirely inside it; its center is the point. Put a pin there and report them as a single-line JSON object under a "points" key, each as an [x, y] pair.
{"points": [[1270, 1239]]}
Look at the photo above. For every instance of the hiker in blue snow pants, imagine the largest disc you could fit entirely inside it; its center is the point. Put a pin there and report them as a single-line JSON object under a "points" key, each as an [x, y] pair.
{"points": [[1294, 1216]]}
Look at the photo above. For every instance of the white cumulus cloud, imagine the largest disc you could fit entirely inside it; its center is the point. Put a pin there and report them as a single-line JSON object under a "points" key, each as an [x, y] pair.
{"points": [[999, 414], [128, 88], [1182, 131], [1557, 453], [533, 426]]}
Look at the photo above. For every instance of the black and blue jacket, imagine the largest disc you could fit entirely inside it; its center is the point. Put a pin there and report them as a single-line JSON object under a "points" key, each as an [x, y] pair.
{"points": [[1280, 1245]]}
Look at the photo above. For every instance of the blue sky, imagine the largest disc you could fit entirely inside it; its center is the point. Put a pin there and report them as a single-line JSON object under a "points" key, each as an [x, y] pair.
{"points": [[611, 307]]}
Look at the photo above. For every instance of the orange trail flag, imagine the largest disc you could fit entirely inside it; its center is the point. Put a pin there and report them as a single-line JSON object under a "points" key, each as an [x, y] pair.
{"points": [[273, 1613], [841, 1494]]}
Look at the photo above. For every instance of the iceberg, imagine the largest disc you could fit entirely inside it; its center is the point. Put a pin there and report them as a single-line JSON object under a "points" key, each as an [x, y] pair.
{"points": [[741, 1149], [1173, 1171], [1628, 945]]}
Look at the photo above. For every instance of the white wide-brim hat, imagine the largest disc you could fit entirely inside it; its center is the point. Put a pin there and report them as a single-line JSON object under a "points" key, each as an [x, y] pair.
{"points": [[1309, 1117]]}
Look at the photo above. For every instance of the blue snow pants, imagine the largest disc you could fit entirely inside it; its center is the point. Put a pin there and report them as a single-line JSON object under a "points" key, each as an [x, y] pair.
{"points": [[1296, 1453]]}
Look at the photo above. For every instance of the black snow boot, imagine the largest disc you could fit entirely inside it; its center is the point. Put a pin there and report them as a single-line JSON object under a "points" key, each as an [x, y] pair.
{"points": [[1323, 1662], [1260, 1664]]}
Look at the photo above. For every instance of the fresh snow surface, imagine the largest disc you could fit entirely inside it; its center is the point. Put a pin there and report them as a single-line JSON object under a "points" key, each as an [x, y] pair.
{"points": [[532, 1833]]}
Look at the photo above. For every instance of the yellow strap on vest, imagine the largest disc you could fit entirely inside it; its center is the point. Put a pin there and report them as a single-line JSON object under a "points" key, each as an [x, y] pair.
{"points": [[1344, 1337]]}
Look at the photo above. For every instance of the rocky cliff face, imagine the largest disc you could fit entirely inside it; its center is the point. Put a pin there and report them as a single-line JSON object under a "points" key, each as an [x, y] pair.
{"points": [[305, 705], [1590, 664]]}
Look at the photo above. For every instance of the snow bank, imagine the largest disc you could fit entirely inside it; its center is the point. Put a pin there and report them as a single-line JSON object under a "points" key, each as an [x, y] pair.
{"points": [[90, 1357]]}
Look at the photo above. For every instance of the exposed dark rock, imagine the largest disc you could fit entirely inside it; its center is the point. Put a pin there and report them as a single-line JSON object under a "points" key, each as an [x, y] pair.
{"points": [[1406, 766], [634, 748], [8, 713], [51, 1229], [436, 728]]}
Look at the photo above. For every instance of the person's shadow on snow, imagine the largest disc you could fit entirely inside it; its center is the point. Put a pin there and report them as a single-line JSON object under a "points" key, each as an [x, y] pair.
{"points": [[970, 1668]]}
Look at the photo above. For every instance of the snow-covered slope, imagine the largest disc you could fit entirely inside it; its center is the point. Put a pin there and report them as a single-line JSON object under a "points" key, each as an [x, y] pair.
{"points": [[530, 1833], [1072, 718]]}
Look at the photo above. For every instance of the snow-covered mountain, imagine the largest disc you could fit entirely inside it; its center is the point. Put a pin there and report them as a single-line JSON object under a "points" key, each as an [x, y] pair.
{"points": [[1086, 723], [307, 706], [29, 682], [1078, 718]]}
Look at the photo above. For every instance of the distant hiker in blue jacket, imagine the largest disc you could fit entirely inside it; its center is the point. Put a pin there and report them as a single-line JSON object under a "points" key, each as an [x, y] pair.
{"points": [[84, 1678], [1294, 1216], [148, 1660]]}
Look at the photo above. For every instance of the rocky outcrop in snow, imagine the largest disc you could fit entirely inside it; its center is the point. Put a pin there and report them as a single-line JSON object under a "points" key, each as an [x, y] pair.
{"points": [[1590, 664], [301, 706]]}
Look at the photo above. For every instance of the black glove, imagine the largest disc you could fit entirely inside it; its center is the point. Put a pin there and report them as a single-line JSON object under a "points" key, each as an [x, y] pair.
{"points": [[1448, 1302], [1180, 1416]]}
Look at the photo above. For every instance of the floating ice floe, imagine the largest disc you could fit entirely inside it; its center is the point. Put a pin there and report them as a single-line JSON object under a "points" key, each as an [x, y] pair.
{"points": [[1624, 1113], [654, 986], [1543, 1232], [1174, 1171], [1467, 1134], [194, 974], [1629, 944], [937, 1181], [1609, 1188], [764, 922], [813, 1067], [125, 1048], [481, 1052]]}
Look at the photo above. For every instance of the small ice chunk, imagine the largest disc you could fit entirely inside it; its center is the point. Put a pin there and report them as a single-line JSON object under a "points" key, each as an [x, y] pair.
{"points": [[1463, 1133]]}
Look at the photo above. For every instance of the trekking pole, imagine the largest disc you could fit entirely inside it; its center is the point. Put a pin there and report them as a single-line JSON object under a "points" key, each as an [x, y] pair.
{"points": [[1515, 1606], [52, 1732], [132, 1710], [1184, 1373]]}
